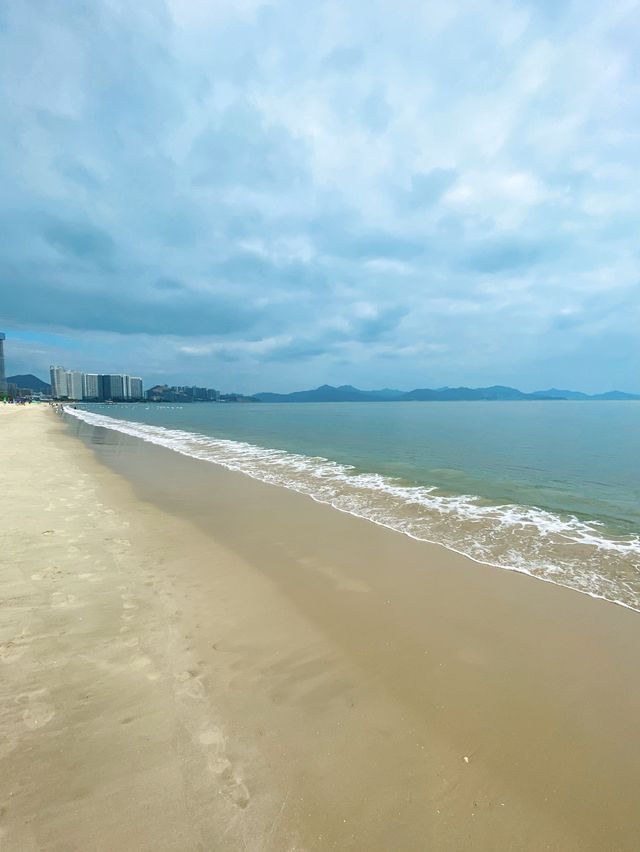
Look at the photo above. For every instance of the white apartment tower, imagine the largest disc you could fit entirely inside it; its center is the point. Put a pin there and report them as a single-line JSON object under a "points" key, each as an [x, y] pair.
{"points": [[74, 384], [59, 387], [117, 385], [90, 386]]}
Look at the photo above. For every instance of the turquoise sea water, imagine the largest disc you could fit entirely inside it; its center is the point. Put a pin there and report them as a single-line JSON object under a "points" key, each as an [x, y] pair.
{"points": [[549, 488]]}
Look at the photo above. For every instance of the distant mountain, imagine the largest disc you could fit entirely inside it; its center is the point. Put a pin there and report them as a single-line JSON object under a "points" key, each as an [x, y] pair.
{"points": [[30, 382], [554, 393], [615, 395], [466, 394], [387, 393], [347, 393], [327, 393]]}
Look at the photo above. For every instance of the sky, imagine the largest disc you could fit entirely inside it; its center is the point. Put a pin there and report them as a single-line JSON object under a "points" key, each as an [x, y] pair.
{"points": [[269, 196]]}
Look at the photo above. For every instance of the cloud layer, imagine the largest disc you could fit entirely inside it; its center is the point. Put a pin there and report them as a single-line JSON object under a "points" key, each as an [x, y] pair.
{"points": [[271, 196]]}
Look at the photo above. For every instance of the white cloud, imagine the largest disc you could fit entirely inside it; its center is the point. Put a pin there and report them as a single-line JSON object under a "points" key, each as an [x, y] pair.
{"points": [[321, 181]]}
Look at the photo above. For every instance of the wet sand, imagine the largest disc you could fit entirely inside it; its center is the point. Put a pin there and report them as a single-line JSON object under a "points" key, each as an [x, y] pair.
{"points": [[192, 659]]}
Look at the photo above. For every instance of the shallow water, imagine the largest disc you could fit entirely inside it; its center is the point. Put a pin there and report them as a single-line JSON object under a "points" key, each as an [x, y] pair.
{"points": [[548, 488]]}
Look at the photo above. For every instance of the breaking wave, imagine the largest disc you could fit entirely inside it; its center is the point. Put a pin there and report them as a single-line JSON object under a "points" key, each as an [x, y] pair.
{"points": [[564, 550]]}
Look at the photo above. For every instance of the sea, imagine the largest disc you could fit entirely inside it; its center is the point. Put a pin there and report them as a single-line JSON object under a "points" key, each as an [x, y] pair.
{"points": [[547, 488]]}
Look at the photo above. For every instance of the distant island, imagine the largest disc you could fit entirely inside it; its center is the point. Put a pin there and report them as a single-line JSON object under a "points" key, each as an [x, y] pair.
{"points": [[347, 393]]}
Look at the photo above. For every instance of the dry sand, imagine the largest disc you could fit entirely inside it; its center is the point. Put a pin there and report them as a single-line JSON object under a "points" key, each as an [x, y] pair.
{"points": [[193, 660]]}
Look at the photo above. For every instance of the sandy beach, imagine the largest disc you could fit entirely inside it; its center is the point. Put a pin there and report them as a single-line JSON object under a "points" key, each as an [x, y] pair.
{"points": [[194, 660]]}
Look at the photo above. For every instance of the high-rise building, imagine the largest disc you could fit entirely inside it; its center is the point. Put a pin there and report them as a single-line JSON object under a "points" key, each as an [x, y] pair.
{"points": [[135, 384], [117, 386], [74, 384], [111, 387], [90, 386], [104, 388], [59, 387], [3, 375]]}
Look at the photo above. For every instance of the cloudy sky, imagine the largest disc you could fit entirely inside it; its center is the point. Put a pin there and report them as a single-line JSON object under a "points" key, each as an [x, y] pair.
{"points": [[268, 196]]}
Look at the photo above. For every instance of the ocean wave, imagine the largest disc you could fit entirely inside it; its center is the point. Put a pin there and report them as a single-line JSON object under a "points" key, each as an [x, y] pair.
{"points": [[564, 550]]}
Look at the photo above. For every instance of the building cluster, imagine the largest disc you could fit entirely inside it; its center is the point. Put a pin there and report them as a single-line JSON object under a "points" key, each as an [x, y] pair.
{"points": [[164, 393], [77, 386], [94, 387]]}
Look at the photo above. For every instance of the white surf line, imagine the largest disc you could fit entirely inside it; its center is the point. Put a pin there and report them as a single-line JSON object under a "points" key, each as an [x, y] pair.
{"points": [[167, 438]]}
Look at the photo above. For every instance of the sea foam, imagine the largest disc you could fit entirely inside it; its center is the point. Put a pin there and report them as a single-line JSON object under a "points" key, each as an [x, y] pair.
{"points": [[564, 550]]}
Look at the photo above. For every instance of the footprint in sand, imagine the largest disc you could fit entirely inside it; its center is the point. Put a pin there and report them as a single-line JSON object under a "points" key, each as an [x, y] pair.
{"points": [[190, 685], [144, 664], [38, 712], [212, 736], [214, 742], [127, 600], [129, 608], [181, 677], [60, 599], [37, 715], [239, 793], [219, 765], [11, 651], [51, 572]]}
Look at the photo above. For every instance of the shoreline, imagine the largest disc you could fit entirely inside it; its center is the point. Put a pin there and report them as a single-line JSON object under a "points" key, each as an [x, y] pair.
{"points": [[326, 677], [166, 438]]}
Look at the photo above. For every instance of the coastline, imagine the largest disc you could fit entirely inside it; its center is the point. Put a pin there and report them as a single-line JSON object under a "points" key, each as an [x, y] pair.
{"points": [[310, 680], [554, 545]]}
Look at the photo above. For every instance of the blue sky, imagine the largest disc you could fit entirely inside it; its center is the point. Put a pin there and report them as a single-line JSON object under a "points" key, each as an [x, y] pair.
{"points": [[261, 196]]}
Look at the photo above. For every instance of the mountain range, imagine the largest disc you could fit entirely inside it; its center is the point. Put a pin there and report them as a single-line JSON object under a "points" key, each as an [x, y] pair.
{"points": [[347, 393]]}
